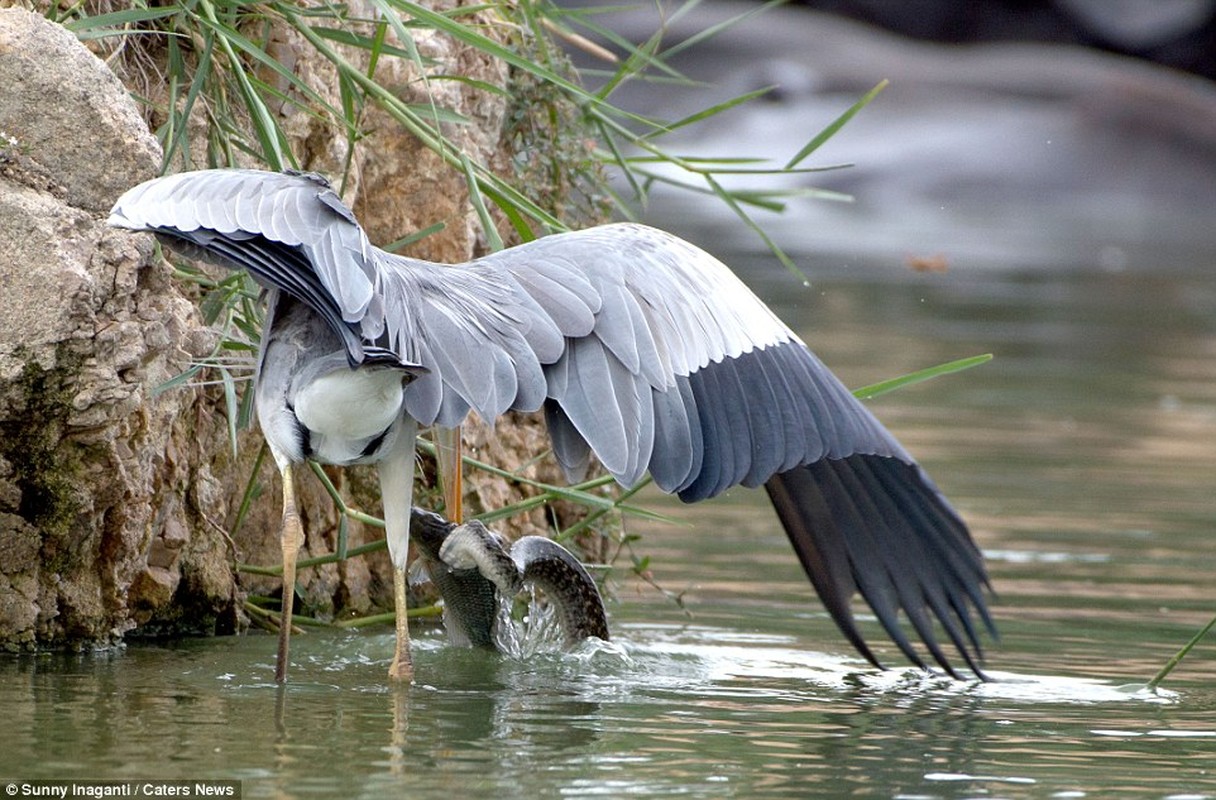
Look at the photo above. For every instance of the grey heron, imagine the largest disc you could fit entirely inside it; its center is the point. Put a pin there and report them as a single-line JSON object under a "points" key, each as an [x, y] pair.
{"points": [[642, 350]]}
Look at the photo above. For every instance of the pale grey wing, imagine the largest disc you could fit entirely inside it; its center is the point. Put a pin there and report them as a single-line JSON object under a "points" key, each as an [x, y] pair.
{"points": [[289, 230], [475, 330], [481, 337], [672, 365]]}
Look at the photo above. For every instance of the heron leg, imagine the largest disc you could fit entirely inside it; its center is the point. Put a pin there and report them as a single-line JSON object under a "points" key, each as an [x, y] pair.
{"points": [[397, 495], [449, 460], [291, 539]]}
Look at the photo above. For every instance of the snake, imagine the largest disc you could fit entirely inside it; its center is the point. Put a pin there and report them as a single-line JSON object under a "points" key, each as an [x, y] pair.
{"points": [[472, 566]]}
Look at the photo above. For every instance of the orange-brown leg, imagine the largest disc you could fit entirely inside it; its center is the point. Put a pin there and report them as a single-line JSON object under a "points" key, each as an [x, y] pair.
{"points": [[451, 472], [291, 539]]}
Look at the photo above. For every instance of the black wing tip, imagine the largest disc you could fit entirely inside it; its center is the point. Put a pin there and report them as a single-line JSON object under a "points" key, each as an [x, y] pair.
{"points": [[874, 525]]}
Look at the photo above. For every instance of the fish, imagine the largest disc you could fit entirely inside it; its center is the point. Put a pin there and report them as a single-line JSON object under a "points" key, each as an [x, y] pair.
{"points": [[473, 567]]}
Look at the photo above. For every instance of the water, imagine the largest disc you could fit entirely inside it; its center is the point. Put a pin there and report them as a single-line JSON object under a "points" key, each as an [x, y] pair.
{"points": [[1084, 457]]}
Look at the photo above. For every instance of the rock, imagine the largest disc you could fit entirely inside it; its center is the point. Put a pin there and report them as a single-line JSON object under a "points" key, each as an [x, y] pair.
{"points": [[90, 152], [89, 326], [118, 503]]}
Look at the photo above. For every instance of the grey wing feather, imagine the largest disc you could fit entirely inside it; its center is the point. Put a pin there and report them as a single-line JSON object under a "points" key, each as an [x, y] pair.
{"points": [[569, 447], [600, 397], [684, 371], [481, 335], [309, 245], [572, 305], [678, 448]]}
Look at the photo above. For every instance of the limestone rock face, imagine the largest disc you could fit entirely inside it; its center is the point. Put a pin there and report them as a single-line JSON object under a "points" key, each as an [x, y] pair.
{"points": [[95, 469], [70, 113], [118, 502]]}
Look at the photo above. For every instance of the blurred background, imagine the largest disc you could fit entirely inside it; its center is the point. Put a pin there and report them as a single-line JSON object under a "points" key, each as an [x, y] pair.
{"points": [[1013, 132]]}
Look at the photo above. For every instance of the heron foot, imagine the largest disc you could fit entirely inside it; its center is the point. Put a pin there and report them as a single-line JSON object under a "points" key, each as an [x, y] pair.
{"points": [[402, 668]]}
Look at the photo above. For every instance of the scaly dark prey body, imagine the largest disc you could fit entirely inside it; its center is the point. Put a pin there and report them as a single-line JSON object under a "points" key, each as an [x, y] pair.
{"points": [[471, 597]]}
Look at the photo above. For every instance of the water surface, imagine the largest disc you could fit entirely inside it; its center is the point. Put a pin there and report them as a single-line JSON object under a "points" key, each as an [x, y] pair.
{"points": [[1084, 457]]}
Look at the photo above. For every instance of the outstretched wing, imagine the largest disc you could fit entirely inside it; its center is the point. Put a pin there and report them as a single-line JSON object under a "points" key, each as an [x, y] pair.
{"points": [[642, 349], [672, 365], [291, 231]]}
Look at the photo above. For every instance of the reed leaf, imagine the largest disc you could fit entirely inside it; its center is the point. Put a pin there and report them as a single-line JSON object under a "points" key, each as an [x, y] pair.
{"points": [[882, 387]]}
